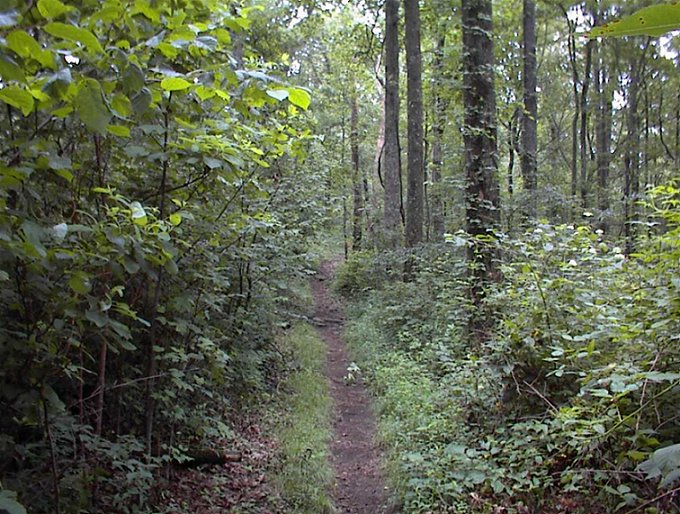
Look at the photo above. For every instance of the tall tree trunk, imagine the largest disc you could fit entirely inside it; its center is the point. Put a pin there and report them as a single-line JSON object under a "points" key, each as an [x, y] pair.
{"points": [[583, 132], [481, 189], [529, 120], [414, 195], [437, 207], [571, 43], [631, 187], [603, 134], [376, 178], [391, 159], [357, 182]]}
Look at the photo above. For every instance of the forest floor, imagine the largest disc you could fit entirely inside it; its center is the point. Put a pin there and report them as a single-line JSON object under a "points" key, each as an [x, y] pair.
{"points": [[356, 458]]}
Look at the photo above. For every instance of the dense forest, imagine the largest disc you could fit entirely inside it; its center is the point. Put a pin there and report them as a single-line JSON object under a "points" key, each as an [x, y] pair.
{"points": [[497, 182]]}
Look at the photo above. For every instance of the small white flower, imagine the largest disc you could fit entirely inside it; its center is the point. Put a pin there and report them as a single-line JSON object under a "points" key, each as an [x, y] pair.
{"points": [[572, 262], [599, 231], [592, 251]]}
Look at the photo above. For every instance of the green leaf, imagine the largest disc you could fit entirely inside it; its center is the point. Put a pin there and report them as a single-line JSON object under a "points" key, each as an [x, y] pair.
{"points": [[91, 107], [212, 163], [141, 101], [118, 130], [175, 84], [654, 20], [665, 463], [138, 214], [80, 282], [278, 94], [10, 70], [133, 79], [50, 9], [175, 218], [9, 503], [25, 46], [76, 34], [299, 97], [97, 317], [121, 105], [17, 97]]}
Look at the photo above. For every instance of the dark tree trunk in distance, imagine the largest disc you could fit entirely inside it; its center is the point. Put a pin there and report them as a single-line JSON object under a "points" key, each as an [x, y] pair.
{"points": [[357, 182], [437, 139], [603, 133], [529, 120], [392, 168], [414, 193]]}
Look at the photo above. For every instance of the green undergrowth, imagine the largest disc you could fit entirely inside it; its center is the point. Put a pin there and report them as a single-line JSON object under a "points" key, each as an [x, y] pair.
{"points": [[304, 477], [570, 405]]}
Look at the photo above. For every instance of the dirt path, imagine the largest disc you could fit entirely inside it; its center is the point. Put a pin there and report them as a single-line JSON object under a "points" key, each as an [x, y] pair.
{"points": [[359, 484]]}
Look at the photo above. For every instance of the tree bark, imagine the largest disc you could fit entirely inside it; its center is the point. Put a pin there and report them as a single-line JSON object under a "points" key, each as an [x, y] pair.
{"points": [[414, 194], [631, 186], [376, 179], [357, 182], [571, 42], [392, 165], [530, 117], [583, 132], [603, 135], [437, 207], [480, 133]]}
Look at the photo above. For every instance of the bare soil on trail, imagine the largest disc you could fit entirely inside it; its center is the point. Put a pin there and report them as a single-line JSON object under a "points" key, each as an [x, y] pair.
{"points": [[359, 482]]}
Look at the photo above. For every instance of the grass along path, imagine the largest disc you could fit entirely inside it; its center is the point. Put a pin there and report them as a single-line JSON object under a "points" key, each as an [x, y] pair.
{"points": [[359, 484], [305, 475]]}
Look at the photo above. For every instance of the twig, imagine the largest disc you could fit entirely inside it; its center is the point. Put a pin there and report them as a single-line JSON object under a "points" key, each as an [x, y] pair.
{"points": [[541, 396], [654, 500]]}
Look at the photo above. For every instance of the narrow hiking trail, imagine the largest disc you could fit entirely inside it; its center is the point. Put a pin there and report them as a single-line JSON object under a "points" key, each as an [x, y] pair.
{"points": [[359, 483]]}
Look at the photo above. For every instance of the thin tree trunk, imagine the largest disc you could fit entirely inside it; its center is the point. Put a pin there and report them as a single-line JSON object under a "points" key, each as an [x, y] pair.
{"points": [[414, 197], [603, 135], [631, 189], [529, 119], [583, 133], [392, 165], [357, 183], [437, 207], [376, 179], [571, 42]]}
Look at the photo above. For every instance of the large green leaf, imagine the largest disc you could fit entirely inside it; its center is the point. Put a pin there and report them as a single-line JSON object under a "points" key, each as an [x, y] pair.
{"points": [[17, 97], [76, 34], [25, 46], [279, 94], [9, 503], [654, 20], [50, 9], [10, 70], [90, 106], [175, 84], [299, 97]]}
